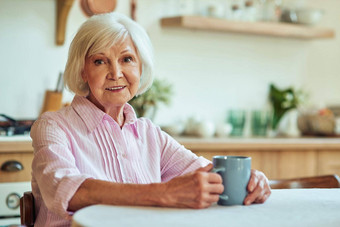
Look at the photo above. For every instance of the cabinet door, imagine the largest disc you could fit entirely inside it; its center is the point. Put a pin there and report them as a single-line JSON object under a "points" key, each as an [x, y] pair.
{"points": [[329, 162], [296, 163], [275, 164], [24, 160]]}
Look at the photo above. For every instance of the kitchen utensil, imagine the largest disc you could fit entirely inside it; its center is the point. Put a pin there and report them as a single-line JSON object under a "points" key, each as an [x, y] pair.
{"points": [[52, 101], [60, 85], [92, 7]]}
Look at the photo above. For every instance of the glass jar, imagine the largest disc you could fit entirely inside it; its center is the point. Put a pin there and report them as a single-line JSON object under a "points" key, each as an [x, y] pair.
{"points": [[211, 8], [269, 10]]}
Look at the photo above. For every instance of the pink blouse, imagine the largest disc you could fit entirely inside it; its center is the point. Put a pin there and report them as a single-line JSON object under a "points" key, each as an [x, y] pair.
{"points": [[81, 141]]}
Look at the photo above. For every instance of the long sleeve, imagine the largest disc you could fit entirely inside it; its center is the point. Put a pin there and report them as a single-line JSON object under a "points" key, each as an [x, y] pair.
{"points": [[54, 168]]}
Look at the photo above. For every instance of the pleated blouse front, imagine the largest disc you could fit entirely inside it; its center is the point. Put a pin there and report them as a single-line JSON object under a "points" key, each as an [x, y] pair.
{"points": [[81, 141]]}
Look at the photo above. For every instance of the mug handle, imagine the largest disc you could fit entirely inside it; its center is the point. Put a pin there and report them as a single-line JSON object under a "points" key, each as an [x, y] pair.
{"points": [[217, 170]]}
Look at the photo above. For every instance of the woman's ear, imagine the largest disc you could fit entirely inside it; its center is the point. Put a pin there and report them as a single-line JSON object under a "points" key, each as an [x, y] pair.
{"points": [[84, 76]]}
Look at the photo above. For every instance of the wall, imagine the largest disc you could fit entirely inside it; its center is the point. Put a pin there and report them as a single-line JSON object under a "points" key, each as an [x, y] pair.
{"points": [[211, 71]]}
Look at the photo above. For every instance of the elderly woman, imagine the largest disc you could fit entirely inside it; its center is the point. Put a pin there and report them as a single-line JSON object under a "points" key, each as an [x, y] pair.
{"points": [[96, 150]]}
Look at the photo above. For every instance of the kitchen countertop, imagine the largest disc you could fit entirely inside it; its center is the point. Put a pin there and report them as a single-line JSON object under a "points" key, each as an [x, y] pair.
{"points": [[23, 143], [15, 138], [17, 143], [230, 143]]}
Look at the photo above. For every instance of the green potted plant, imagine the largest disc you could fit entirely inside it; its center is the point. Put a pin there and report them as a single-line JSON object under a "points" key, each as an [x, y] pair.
{"points": [[146, 104], [282, 101]]}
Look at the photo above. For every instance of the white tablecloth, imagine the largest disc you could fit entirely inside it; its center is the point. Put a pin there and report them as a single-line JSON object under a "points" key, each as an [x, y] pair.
{"points": [[289, 207]]}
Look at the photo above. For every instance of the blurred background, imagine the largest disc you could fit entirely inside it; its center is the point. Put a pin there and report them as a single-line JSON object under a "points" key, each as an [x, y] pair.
{"points": [[256, 78], [210, 72]]}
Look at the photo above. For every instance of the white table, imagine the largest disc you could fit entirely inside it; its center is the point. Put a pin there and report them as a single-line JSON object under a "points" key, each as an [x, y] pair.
{"points": [[289, 207]]}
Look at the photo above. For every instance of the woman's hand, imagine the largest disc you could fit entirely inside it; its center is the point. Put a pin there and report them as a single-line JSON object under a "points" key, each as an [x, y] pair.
{"points": [[198, 189], [258, 188]]}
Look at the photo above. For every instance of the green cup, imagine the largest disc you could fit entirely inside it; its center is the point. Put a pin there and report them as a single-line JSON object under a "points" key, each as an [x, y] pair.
{"points": [[260, 120], [237, 119]]}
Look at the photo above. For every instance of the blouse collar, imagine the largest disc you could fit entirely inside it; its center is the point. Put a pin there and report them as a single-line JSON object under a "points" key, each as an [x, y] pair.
{"points": [[92, 116]]}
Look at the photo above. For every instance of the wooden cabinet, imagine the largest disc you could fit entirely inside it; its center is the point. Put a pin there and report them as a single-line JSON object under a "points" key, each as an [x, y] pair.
{"points": [[277, 158], [15, 161], [295, 163], [328, 162]]}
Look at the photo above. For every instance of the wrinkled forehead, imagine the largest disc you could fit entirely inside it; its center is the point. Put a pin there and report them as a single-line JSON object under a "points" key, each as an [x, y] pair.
{"points": [[101, 44]]}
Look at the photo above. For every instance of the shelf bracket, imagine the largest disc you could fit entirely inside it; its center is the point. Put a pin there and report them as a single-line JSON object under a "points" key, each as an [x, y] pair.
{"points": [[63, 9]]}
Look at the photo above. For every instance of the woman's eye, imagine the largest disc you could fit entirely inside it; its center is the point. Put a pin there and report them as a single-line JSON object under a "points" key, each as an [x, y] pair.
{"points": [[98, 62], [127, 59]]}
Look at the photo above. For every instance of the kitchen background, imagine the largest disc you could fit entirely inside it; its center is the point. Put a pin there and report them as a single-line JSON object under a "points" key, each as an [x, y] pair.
{"points": [[211, 72]]}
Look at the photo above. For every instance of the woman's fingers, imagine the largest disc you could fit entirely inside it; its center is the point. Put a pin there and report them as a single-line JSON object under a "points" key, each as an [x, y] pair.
{"points": [[253, 181], [201, 188], [198, 189], [214, 178], [210, 183], [213, 183], [215, 188], [211, 187], [258, 192], [206, 168], [213, 198], [258, 188], [263, 198]]}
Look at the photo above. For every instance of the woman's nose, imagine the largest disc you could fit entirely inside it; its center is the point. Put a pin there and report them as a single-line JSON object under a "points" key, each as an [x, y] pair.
{"points": [[115, 72]]}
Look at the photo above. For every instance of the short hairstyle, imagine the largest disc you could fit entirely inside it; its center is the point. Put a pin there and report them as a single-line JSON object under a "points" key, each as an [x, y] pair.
{"points": [[101, 32]]}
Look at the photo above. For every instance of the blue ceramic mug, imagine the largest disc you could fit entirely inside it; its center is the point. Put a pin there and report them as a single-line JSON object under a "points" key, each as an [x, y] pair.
{"points": [[235, 172]]}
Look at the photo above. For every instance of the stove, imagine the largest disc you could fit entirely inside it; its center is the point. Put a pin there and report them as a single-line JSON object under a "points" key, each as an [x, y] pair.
{"points": [[10, 192], [10, 201], [10, 126]]}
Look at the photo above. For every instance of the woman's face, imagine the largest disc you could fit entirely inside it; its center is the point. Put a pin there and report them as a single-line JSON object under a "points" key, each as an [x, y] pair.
{"points": [[113, 75]]}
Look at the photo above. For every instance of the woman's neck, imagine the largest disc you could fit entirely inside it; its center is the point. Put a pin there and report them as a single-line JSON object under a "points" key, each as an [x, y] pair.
{"points": [[116, 112]]}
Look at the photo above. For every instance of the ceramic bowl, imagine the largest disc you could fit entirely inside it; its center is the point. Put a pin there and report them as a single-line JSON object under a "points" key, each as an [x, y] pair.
{"points": [[309, 16], [302, 16]]}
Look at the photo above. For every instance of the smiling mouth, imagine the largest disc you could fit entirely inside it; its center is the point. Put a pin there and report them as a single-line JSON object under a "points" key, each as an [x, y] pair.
{"points": [[115, 88]]}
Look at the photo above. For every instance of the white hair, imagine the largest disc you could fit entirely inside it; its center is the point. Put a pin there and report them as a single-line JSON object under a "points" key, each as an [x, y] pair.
{"points": [[98, 33]]}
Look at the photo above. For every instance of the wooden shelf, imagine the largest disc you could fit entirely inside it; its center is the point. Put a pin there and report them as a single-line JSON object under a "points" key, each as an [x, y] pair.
{"points": [[253, 28]]}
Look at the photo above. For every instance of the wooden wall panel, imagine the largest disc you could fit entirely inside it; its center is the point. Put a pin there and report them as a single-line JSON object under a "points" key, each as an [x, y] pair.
{"points": [[276, 164], [265, 161], [296, 164], [328, 162]]}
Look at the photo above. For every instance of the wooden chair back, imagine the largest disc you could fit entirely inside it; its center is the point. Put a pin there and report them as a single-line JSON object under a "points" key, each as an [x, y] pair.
{"points": [[27, 209], [325, 181]]}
